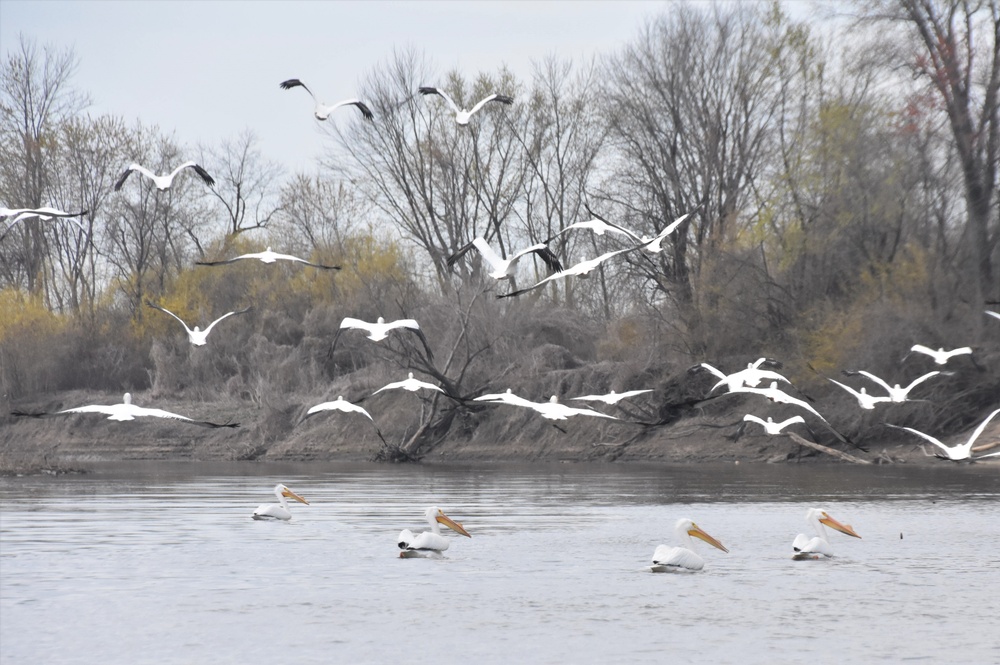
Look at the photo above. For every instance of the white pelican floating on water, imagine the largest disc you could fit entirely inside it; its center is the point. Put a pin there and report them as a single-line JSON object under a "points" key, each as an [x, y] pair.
{"points": [[612, 397], [322, 111], [411, 384], [504, 268], [428, 543], [865, 400], [277, 511], [380, 329], [197, 336], [126, 411], [817, 547], [683, 559], [770, 426], [461, 115], [896, 393], [956, 453], [163, 182], [267, 256], [941, 357]]}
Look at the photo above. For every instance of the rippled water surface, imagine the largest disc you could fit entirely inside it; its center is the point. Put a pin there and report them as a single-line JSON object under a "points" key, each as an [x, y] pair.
{"points": [[162, 564]]}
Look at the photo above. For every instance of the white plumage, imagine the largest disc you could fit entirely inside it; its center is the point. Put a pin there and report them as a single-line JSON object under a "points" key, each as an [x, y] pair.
{"points": [[770, 426], [428, 543], [277, 511], [322, 111], [683, 558], [411, 384], [612, 397], [864, 399], [896, 392], [267, 256], [197, 336], [941, 357], [126, 411], [163, 182], [461, 115], [380, 329], [817, 547], [959, 452]]}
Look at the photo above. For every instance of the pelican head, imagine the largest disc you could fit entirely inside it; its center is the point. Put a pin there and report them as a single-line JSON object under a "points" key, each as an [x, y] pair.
{"points": [[823, 517], [282, 491], [381, 320], [127, 399], [684, 525], [435, 516]]}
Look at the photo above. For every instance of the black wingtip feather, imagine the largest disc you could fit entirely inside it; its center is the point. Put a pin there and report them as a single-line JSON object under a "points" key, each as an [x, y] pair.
{"points": [[504, 99], [427, 90], [289, 84]]}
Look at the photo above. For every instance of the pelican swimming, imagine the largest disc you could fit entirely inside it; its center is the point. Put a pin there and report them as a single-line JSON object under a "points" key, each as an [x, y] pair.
{"points": [[126, 411], [163, 182], [461, 115], [342, 405], [683, 558], [322, 111], [612, 397], [277, 511], [772, 427], [817, 547], [864, 399], [411, 384], [956, 453], [504, 268], [197, 336], [267, 256], [583, 269], [428, 543], [380, 329], [896, 393], [941, 357]]}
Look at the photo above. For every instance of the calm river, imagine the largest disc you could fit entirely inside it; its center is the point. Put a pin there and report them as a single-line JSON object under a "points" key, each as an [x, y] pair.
{"points": [[161, 563]]}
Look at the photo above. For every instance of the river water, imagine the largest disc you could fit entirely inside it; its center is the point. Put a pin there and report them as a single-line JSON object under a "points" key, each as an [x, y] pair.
{"points": [[161, 563]]}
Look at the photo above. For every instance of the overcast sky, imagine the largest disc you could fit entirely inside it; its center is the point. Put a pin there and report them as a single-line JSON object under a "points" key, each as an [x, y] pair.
{"points": [[204, 71]]}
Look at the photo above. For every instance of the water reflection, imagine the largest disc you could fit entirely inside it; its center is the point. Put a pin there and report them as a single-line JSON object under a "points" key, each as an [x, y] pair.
{"points": [[162, 563]]}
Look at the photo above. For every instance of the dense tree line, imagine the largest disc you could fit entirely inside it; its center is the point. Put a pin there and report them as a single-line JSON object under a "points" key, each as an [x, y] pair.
{"points": [[843, 200]]}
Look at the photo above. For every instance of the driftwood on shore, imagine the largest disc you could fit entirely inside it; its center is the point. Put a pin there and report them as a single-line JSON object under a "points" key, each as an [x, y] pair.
{"points": [[825, 449]]}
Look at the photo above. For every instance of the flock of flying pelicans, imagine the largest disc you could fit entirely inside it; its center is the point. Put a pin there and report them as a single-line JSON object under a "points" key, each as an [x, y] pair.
{"points": [[432, 543]]}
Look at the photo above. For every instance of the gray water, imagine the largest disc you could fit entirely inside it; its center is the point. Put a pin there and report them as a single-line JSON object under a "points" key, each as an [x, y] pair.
{"points": [[161, 563]]}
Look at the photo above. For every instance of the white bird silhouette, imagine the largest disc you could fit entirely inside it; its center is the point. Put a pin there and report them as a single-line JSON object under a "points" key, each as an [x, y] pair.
{"points": [[817, 547], [505, 398], [940, 356], [864, 399], [197, 336], [461, 115], [751, 376], [342, 405], [429, 543], [163, 182], [995, 315], [411, 384], [321, 110], [504, 268], [277, 511], [956, 453], [653, 245], [553, 410], [612, 397], [683, 558], [896, 392], [772, 427], [267, 256], [43, 213], [582, 269], [126, 411], [380, 329]]}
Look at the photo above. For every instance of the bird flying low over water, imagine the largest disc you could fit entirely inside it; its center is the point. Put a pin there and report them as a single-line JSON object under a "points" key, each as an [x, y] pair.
{"points": [[941, 357], [380, 329], [505, 398], [126, 411], [896, 393], [267, 256], [956, 453], [461, 115], [411, 384], [163, 182], [817, 547], [504, 268], [751, 376], [197, 337], [612, 397], [770, 426], [431, 543], [342, 405], [322, 111], [277, 511], [683, 558], [865, 400]]}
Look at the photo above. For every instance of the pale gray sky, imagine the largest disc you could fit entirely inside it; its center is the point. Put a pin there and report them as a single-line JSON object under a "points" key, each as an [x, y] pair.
{"points": [[206, 70]]}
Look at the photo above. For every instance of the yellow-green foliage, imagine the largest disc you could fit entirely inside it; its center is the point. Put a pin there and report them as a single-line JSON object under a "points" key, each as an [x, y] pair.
{"points": [[23, 313]]}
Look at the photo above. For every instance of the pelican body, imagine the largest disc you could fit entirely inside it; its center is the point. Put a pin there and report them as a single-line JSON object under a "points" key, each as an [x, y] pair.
{"points": [[683, 559], [380, 329], [127, 411], [431, 543], [817, 547], [277, 511], [267, 256], [197, 336], [321, 110], [462, 116], [956, 453], [612, 397], [411, 384], [163, 182]]}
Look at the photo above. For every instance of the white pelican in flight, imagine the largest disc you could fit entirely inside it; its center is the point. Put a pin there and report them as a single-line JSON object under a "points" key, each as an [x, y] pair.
{"points": [[770, 426], [277, 511], [896, 393], [504, 268], [197, 336], [612, 397], [817, 547], [411, 384], [683, 558], [941, 357], [751, 376], [864, 399], [428, 543], [956, 453], [553, 410], [163, 182], [461, 115], [583, 269], [44, 214], [126, 411], [380, 329], [267, 256], [600, 226], [774, 394], [995, 315], [322, 111], [505, 398], [342, 405]]}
